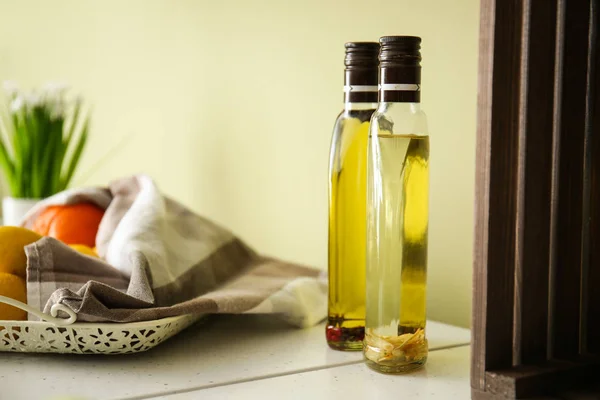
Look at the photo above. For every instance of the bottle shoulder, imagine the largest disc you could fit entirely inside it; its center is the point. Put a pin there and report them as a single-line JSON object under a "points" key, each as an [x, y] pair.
{"points": [[350, 120], [401, 119], [362, 115], [349, 141]]}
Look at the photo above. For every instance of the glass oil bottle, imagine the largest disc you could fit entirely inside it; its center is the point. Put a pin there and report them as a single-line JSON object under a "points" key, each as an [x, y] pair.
{"points": [[347, 198], [397, 221]]}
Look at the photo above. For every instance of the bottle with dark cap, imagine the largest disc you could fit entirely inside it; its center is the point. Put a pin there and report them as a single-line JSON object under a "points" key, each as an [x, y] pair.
{"points": [[397, 221], [347, 198]]}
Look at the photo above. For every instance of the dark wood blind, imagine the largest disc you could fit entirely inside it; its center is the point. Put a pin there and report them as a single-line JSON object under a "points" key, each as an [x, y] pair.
{"points": [[536, 307]]}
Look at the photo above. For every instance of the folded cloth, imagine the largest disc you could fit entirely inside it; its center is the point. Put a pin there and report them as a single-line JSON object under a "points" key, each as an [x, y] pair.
{"points": [[159, 259]]}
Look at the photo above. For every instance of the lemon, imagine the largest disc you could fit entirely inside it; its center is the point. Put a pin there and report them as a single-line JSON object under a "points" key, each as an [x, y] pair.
{"points": [[14, 287], [12, 256], [83, 249]]}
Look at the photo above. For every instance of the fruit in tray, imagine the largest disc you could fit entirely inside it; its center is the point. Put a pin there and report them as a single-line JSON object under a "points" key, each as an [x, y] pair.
{"points": [[71, 224], [13, 267], [75, 225], [14, 287], [12, 255], [83, 249]]}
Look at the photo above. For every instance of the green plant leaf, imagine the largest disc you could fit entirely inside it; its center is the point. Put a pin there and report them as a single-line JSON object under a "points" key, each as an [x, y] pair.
{"points": [[112, 152], [74, 160], [6, 161], [40, 150], [17, 152], [38, 147], [73, 124], [9, 170], [56, 162]]}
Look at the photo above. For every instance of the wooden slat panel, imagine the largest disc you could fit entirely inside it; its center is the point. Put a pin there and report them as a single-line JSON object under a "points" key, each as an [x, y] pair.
{"points": [[568, 262], [538, 107], [535, 179], [496, 186], [593, 278], [587, 165], [545, 379], [558, 71], [591, 392]]}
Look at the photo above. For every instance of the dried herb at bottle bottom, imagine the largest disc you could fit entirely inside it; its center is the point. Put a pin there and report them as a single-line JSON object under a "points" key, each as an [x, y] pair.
{"points": [[394, 350]]}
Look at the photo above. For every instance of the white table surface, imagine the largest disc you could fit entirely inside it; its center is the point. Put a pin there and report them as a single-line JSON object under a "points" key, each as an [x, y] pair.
{"points": [[445, 377], [221, 352]]}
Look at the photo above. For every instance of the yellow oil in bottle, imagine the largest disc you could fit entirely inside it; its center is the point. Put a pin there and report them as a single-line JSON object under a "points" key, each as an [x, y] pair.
{"points": [[347, 232], [398, 190]]}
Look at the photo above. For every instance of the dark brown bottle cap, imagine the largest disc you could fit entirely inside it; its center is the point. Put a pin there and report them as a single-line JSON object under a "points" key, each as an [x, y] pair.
{"points": [[361, 74], [400, 69], [361, 55]]}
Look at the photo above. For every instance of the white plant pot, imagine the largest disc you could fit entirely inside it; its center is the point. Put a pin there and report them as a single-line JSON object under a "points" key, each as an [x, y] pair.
{"points": [[14, 209]]}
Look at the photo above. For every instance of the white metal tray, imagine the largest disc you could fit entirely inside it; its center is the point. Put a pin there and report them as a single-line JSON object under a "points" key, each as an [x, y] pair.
{"points": [[64, 335]]}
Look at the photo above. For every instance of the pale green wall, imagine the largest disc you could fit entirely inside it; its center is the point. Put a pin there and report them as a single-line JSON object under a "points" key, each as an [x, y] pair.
{"points": [[229, 106]]}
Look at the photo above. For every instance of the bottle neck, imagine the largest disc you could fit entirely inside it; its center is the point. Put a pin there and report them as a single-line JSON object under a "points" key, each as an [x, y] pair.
{"points": [[403, 107], [360, 106], [360, 85], [400, 85]]}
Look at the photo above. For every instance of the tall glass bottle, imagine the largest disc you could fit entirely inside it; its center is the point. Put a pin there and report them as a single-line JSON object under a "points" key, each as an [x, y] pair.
{"points": [[347, 198], [397, 204]]}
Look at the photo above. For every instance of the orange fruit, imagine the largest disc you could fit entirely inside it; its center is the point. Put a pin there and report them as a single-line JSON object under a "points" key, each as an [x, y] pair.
{"points": [[12, 256], [71, 224], [14, 287]]}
